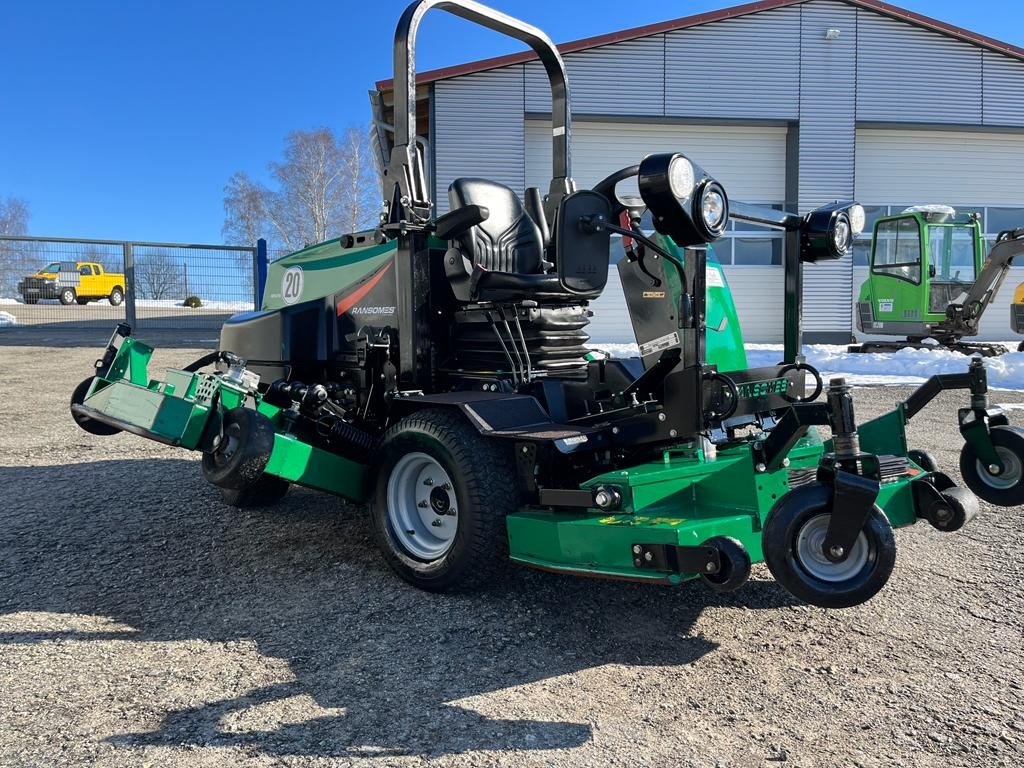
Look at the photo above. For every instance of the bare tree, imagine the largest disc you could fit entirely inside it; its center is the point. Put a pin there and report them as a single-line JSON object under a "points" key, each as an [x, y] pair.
{"points": [[159, 276], [16, 259], [325, 186]]}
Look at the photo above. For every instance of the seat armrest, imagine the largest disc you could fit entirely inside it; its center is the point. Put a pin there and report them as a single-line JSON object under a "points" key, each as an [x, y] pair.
{"points": [[460, 221]]}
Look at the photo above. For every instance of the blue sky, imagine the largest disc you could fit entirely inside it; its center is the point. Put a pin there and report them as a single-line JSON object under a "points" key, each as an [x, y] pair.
{"points": [[124, 119]]}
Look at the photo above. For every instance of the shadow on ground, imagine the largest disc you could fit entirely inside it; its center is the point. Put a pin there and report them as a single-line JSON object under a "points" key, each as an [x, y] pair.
{"points": [[303, 582]]}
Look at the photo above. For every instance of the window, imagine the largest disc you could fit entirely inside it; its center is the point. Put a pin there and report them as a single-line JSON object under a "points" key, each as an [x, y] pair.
{"points": [[85, 270], [898, 250], [757, 250], [951, 254], [1003, 218]]}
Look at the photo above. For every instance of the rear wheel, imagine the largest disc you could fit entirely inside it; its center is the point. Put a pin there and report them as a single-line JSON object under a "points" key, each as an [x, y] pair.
{"points": [[116, 297], [792, 540], [1005, 488], [440, 501], [68, 296]]}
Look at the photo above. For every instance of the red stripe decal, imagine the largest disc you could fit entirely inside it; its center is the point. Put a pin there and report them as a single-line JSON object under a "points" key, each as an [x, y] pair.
{"points": [[357, 295]]}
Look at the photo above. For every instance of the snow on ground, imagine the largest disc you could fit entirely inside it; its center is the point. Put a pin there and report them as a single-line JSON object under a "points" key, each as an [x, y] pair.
{"points": [[227, 306], [7, 320], [907, 366]]}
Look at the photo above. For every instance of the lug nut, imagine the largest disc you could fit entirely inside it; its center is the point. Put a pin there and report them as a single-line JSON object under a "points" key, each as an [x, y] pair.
{"points": [[428, 481]]}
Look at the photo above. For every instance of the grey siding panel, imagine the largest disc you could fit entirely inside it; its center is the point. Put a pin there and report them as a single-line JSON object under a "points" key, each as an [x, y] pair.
{"points": [[479, 130], [909, 74], [1004, 90], [826, 146], [626, 77], [745, 68], [904, 167]]}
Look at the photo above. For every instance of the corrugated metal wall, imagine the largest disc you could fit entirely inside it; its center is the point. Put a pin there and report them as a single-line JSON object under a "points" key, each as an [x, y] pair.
{"points": [[771, 65], [479, 130]]}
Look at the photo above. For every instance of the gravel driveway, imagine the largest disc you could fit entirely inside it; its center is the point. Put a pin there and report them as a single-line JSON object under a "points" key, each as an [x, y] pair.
{"points": [[142, 622]]}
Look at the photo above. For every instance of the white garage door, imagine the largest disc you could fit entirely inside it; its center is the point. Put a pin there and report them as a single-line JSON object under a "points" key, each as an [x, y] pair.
{"points": [[970, 170], [750, 161]]}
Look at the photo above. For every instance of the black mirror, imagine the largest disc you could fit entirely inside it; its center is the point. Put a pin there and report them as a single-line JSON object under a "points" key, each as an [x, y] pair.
{"points": [[582, 250], [460, 221]]}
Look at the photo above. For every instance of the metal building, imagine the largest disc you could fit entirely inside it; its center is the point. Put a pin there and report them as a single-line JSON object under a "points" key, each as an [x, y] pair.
{"points": [[787, 102]]}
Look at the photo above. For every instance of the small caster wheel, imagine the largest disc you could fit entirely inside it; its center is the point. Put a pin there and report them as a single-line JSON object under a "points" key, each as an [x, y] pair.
{"points": [[1005, 489], [268, 490], [959, 508], [735, 568], [924, 460], [90, 425], [792, 541], [241, 456]]}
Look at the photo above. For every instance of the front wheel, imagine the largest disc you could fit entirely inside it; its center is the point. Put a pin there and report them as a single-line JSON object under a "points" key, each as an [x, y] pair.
{"points": [[792, 541], [68, 296], [1005, 489], [441, 497]]}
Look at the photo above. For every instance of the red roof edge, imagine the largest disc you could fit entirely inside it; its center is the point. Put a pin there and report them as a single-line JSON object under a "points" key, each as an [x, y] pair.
{"points": [[887, 9]]}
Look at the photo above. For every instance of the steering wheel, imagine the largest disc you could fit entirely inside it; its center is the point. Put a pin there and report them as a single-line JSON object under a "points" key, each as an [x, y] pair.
{"points": [[606, 187]]}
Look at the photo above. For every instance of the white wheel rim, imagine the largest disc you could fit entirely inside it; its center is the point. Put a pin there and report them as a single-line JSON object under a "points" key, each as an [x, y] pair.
{"points": [[422, 508], [1010, 475], [812, 558]]}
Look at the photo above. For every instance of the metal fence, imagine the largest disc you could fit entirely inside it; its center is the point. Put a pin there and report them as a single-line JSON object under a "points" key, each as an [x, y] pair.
{"points": [[89, 284]]}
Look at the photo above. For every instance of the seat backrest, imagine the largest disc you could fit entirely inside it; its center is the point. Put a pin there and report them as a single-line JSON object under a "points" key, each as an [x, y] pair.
{"points": [[509, 240]]}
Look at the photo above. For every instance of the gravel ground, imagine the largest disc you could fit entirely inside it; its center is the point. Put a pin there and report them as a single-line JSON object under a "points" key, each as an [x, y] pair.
{"points": [[143, 623]]}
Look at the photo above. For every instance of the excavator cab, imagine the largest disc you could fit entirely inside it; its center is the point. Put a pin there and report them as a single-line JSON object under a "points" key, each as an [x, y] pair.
{"points": [[930, 279]]}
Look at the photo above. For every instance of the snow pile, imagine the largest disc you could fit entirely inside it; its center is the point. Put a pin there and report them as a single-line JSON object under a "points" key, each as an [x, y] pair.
{"points": [[10, 301], [907, 366], [7, 320]]}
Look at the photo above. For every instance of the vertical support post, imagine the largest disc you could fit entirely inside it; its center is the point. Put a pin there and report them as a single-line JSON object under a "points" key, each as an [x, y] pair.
{"points": [[794, 288], [130, 316], [260, 263]]}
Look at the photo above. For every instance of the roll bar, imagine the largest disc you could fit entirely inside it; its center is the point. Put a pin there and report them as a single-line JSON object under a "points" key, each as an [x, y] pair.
{"points": [[405, 170]]}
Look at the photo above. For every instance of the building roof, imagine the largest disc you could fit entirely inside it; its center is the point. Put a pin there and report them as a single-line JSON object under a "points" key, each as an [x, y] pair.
{"points": [[733, 12]]}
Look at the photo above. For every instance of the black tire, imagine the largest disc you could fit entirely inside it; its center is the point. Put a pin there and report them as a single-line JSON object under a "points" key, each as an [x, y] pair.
{"points": [[735, 565], [36, 301], [483, 478], [82, 302], [68, 296], [116, 297], [267, 490], [961, 507], [790, 557], [1006, 490], [924, 460], [244, 450], [90, 425], [1020, 347]]}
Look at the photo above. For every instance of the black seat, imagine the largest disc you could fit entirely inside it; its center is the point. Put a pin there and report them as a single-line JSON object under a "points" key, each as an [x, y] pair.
{"points": [[501, 258]]}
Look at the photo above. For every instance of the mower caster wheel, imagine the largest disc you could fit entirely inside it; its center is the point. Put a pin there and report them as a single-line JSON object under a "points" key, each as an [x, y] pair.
{"points": [[1007, 488], [924, 460], [959, 508], [441, 497], [792, 541], [268, 490], [90, 425], [239, 458], [735, 568]]}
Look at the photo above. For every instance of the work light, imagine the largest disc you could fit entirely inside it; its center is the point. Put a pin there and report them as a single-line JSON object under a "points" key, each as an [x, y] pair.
{"points": [[858, 219], [687, 204], [828, 231]]}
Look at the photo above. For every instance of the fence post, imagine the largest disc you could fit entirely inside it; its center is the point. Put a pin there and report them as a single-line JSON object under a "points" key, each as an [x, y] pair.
{"points": [[260, 271], [129, 286]]}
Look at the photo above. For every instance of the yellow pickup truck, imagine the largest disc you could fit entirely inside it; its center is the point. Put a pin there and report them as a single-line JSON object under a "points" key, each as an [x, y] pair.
{"points": [[73, 281]]}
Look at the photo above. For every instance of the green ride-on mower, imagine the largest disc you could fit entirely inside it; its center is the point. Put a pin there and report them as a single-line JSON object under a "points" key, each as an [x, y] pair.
{"points": [[930, 279], [436, 368]]}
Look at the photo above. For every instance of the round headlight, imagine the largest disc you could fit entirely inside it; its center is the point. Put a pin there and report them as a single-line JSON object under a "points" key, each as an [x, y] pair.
{"points": [[714, 210], [680, 177], [842, 236], [857, 219]]}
